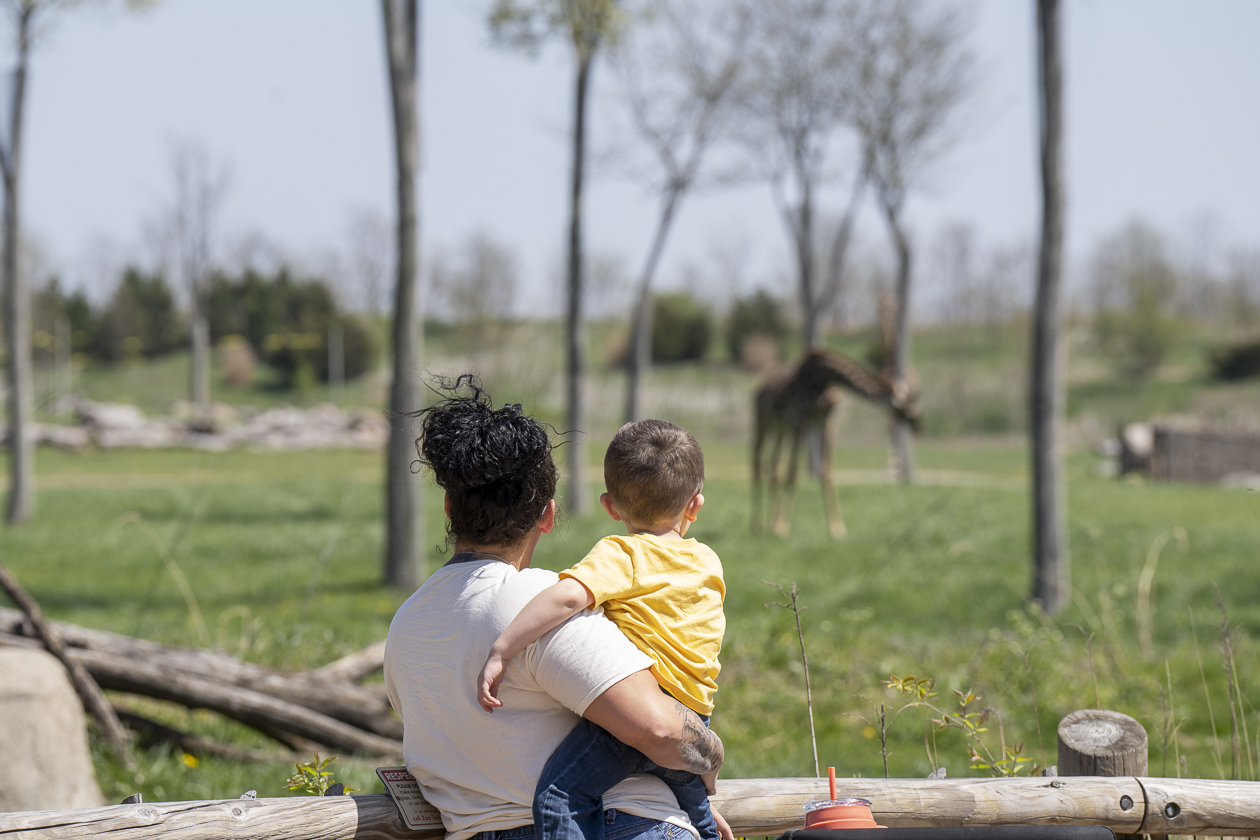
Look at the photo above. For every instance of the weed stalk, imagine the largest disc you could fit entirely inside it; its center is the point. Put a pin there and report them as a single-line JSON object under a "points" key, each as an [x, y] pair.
{"points": [[790, 601]]}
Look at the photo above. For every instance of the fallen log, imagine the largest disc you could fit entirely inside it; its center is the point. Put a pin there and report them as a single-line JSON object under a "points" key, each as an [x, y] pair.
{"points": [[52, 640], [753, 807], [323, 691], [355, 666], [254, 708], [270, 715], [150, 733]]}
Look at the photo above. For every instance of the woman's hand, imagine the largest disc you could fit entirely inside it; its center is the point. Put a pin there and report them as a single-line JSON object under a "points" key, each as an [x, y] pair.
{"points": [[488, 683]]}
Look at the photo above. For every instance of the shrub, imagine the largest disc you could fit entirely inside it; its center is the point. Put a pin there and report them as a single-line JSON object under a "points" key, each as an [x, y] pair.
{"points": [[359, 346], [139, 319], [682, 329], [237, 360], [52, 312], [287, 322], [1240, 361], [1135, 287], [759, 314]]}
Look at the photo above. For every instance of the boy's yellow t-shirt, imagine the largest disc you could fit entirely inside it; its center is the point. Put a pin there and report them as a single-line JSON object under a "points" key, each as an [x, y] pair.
{"points": [[666, 596]]}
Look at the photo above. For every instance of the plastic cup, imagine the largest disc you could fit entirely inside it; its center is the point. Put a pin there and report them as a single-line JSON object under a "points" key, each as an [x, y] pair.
{"points": [[840, 813]]}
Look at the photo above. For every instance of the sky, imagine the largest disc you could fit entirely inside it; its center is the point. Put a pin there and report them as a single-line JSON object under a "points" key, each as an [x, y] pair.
{"points": [[289, 98]]}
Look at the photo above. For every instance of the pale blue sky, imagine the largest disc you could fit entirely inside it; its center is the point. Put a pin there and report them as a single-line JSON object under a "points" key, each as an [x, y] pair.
{"points": [[291, 96]]}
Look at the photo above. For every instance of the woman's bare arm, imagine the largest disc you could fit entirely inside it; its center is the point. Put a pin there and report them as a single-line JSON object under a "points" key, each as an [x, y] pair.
{"points": [[637, 713]]}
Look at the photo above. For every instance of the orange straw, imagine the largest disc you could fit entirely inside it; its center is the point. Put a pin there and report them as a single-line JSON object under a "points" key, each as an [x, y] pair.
{"points": [[831, 780]]}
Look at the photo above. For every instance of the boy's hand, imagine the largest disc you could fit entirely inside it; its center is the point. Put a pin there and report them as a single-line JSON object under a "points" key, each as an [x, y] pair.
{"points": [[710, 782], [723, 828], [488, 684]]}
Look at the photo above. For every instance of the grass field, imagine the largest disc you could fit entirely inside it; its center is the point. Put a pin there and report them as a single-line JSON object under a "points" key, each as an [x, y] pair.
{"points": [[281, 555]]}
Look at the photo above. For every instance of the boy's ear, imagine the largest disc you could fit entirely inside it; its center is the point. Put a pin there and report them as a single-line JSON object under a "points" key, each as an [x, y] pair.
{"points": [[446, 503], [605, 501], [693, 507]]}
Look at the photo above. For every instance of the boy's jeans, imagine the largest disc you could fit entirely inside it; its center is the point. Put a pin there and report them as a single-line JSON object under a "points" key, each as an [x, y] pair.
{"points": [[568, 804]]}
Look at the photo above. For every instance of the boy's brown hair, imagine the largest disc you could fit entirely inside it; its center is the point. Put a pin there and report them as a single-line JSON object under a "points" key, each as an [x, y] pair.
{"points": [[652, 469]]}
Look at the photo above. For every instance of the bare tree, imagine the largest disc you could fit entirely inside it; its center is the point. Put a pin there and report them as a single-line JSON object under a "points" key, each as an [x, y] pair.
{"points": [[477, 285], [913, 72], [1051, 559], [1242, 287], [199, 191], [369, 238], [954, 257], [22, 15], [1137, 298], [585, 24], [794, 100], [404, 525], [676, 74]]}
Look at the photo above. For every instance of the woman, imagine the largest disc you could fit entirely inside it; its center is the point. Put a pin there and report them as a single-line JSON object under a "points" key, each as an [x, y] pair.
{"points": [[480, 771]]}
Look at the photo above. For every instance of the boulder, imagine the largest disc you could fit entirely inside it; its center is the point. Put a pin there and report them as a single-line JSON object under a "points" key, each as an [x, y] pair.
{"points": [[44, 760]]}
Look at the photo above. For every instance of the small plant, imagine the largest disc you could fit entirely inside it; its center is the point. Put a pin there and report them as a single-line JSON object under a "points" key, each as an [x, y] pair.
{"points": [[919, 688], [1007, 761], [311, 777]]}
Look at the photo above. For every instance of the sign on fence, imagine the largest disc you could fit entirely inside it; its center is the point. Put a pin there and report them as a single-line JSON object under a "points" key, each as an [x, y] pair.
{"points": [[415, 810]]}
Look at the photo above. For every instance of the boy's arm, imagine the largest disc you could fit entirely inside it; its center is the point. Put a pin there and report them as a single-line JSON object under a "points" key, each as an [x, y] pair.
{"points": [[547, 610]]}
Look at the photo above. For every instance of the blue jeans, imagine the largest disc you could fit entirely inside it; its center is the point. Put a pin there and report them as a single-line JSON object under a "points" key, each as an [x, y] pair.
{"points": [[568, 804], [616, 826]]}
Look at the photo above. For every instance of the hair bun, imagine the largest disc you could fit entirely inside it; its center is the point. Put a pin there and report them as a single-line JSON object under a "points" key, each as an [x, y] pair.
{"points": [[469, 444]]}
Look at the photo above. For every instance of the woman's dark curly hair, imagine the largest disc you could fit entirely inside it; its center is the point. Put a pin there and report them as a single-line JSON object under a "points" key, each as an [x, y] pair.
{"points": [[494, 464]]}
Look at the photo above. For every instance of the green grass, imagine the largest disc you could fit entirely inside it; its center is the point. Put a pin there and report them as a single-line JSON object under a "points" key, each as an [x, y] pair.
{"points": [[932, 580], [281, 554]]}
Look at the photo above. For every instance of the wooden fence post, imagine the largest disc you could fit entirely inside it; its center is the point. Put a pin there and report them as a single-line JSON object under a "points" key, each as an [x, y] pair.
{"points": [[1100, 742]]}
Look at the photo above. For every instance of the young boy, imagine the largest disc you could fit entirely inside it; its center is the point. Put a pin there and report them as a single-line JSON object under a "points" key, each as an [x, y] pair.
{"points": [[665, 593]]}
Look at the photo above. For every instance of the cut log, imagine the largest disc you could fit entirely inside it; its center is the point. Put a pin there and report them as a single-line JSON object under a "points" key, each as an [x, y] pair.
{"points": [[364, 707], [1100, 742]]}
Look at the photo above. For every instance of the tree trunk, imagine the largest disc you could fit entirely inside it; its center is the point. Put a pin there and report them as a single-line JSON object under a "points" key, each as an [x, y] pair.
{"points": [[805, 264], [901, 433], [200, 375], [833, 285], [403, 523], [1051, 560], [18, 300], [641, 346], [574, 436]]}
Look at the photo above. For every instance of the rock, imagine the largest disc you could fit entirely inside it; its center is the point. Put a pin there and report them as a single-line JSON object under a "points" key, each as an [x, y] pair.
{"points": [[44, 760], [113, 426], [72, 438], [112, 416]]}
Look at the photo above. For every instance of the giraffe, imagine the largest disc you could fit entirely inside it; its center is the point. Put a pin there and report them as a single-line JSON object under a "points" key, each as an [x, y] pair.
{"points": [[798, 400]]}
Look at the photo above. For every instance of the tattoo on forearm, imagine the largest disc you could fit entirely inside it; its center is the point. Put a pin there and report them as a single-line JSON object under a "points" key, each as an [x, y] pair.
{"points": [[699, 746]]}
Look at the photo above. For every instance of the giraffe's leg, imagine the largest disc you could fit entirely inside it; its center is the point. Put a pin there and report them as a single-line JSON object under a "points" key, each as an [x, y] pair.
{"points": [[759, 439], [775, 487], [831, 503], [789, 487]]}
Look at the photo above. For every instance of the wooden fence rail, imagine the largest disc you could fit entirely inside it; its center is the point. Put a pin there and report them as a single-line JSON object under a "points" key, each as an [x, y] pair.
{"points": [[754, 807]]}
